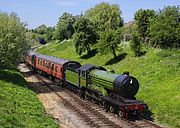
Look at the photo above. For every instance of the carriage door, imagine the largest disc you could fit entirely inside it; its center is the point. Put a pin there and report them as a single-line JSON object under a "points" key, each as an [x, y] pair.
{"points": [[52, 69], [48, 67]]}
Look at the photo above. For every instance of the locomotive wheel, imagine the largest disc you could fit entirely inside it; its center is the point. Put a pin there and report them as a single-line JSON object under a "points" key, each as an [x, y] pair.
{"points": [[85, 96], [105, 106], [93, 100], [57, 80], [111, 109], [121, 113]]}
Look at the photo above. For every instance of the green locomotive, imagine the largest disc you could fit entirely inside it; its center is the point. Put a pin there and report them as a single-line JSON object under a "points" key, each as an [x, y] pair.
{"points": [[114, 92]]}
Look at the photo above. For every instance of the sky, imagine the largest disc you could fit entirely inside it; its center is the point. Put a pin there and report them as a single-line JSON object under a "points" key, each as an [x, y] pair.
{"points": [[38, 12]]}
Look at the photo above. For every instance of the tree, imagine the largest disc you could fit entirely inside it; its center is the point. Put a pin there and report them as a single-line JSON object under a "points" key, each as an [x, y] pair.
{"points": [[105, 16], [109, 41], [44, 32], [135, 43], [60, 32], [49, 34], [31, 37], [85, 35], [142, 19], [13, 44], [165, 28], [42, 29], [64, 28], [107, 19]]}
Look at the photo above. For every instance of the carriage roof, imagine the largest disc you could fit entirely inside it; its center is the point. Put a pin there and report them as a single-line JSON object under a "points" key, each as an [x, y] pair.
{"points": [[52, 59]]}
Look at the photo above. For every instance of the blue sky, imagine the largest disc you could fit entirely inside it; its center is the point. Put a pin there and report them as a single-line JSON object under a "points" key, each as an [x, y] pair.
{"points": [[38, 12]]}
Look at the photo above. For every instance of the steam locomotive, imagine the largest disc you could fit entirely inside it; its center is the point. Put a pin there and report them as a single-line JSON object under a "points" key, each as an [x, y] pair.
{"points": [[114, 92]]}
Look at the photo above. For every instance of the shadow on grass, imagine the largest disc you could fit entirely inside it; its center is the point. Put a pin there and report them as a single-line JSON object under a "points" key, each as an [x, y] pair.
{"points": [[142, 53], [14, 77], [117, 59], [90, 54], [11, 76]]}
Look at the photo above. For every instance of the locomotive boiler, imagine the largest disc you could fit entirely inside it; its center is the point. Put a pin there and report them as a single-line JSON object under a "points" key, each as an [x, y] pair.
{"points": [[124, 85]]}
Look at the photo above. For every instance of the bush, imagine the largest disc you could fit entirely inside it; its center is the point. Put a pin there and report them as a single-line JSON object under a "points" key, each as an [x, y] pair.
{"points": [[136, 43], [13, 44]]}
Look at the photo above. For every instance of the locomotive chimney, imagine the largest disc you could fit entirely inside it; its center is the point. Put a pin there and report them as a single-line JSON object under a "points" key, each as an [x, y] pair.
{"points": [[126, 73]]}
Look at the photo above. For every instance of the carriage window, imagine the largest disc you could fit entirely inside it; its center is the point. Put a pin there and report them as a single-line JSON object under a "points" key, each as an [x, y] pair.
{"points": [[56, 69], [38, 61], [52, 68], [48, 65], [41, 62], [44, 63]]}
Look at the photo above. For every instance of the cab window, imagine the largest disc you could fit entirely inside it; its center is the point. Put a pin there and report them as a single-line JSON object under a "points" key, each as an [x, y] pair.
{"points": [[83, 74]]}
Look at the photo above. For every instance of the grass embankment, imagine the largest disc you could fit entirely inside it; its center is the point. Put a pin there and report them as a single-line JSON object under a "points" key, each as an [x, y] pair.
{"points": [[158, 72], [19, 106]]}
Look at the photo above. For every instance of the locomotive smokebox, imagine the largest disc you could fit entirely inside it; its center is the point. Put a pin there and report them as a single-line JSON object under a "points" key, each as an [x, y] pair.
{"points": [[127, 86]]}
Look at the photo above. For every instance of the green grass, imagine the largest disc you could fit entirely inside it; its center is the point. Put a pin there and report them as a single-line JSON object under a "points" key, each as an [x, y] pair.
{"points": [[158, 72], [19, 106]]}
